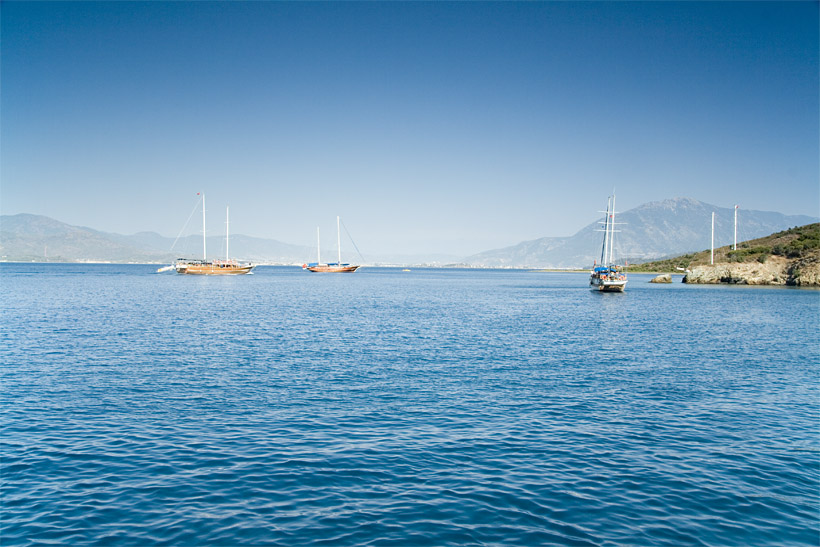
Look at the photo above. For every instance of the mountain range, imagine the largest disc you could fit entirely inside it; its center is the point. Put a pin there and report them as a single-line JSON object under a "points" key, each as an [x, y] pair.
{"points": [[658, 229], [26, 237], [653, 230]]}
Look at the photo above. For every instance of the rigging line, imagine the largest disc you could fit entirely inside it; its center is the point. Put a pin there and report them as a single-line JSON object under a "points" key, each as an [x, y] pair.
{"points": [[186, 223], [351, 240]]}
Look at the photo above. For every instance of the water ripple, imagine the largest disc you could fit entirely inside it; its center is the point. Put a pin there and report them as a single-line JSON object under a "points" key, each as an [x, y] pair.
{"points": [[447, 408]]}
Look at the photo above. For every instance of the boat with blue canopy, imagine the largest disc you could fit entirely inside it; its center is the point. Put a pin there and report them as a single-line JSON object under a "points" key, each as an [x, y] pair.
{"points": [[608, 276], [330, 267]]}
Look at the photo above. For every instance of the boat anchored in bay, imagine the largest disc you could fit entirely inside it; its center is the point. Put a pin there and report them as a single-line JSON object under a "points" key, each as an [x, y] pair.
{"points": [[211, 267], [330, 267], [608, 276]]}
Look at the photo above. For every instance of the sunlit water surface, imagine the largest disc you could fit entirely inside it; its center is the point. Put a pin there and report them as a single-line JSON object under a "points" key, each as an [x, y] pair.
{"points": [[436, 407]]}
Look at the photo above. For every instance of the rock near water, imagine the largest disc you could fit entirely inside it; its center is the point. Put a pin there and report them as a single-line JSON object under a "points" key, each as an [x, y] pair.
{"points": [[663, 278], [775, 271]]}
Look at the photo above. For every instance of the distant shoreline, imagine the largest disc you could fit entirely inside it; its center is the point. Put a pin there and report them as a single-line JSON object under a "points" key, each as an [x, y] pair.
{"points": [[736, 280], [392, 266], [282, 265], [389, 266]]}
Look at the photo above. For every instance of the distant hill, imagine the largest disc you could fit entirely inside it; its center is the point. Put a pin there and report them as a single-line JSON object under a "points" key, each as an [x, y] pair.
{"points": [[27, 237], [243, 247], [798, 243], [653, 230]]}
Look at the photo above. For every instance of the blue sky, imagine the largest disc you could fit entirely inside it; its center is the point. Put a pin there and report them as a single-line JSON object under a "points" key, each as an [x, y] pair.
{"points": [[429, 127]]}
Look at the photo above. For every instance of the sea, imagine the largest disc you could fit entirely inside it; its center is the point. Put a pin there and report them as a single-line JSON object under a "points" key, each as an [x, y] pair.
{"points": [[389, 407]]}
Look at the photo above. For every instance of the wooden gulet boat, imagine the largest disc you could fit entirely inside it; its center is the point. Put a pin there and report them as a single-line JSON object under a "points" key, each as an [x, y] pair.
{"points": [[330, 267], [216, 267], [608, 277], [213, 267]]}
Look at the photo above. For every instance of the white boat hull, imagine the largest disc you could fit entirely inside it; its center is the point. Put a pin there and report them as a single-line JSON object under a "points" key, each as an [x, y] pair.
{"points": [[607, 285]]}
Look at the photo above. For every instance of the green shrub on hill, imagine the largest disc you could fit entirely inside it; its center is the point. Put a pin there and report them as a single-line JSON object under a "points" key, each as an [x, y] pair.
{"points": [[748, 254], [794, 243], [807, 240]]}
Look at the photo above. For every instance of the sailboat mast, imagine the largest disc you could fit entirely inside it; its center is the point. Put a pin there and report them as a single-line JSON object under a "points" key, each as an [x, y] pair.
{"points": [[712, 255], [734, 243], [318, 244], [339, 240], [606, 233], [204, 244], [227, 234], [612, 233]]}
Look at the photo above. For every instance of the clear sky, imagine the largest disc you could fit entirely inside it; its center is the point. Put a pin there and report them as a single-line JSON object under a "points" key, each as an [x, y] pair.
{"points": [[429, 127]]}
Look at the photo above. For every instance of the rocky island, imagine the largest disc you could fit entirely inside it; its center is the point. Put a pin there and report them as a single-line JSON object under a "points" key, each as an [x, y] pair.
{"points": [[790, 257]]}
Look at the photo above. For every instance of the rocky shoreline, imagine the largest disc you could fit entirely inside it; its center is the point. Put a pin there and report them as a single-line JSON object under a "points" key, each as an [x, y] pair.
{"points": [[804, 272]]}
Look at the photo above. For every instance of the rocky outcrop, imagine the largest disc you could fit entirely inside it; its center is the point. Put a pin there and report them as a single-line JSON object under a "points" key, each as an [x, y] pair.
{"points": [[663, 278], [805, 272], [775, 271]]}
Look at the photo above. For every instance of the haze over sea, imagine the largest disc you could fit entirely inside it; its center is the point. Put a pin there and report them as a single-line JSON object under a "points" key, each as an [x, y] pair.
{"points": [[438, 407]]}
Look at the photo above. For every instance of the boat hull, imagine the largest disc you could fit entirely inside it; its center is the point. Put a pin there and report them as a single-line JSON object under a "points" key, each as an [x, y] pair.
{"points": [[329, 268], [607, 282], [213, 269], [607, 286]]}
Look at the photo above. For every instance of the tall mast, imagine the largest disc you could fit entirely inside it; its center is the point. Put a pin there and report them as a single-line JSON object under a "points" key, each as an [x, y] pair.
{"points": [[318, 251], [339, 241], [734, 244], [227, 229], [712, 256], [606, 233], [204, 244], [612, 232]]}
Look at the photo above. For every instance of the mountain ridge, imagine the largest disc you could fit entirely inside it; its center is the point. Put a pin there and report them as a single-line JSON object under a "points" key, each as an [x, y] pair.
{"points": [[651, 230], [797, 244], [27, 237]]}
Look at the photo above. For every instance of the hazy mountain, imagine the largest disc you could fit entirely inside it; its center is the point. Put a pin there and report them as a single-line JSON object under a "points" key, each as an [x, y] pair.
{"points": [[653, 230], [242, 247], [32, 237], [27, 237]]}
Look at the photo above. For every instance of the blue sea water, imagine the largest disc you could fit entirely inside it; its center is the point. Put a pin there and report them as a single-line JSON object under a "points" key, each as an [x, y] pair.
{"points": [[435, 407]]}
